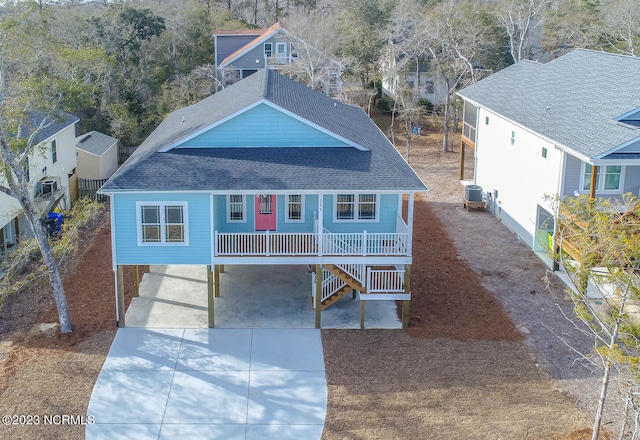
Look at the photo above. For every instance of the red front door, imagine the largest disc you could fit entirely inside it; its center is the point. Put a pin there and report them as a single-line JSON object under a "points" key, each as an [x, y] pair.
{"points": [[265, 212]]}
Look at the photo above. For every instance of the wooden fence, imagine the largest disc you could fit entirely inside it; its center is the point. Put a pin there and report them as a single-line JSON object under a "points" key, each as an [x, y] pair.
{"points": [[124, 153], [90, 187]]}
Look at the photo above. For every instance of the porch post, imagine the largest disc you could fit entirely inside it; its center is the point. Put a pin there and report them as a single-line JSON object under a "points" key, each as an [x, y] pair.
{"points": [[210, 301], [320, 225], [216, 279], [146, 268], [221, 266], [120, 295], [136, 277], [461, 160], [594, 181], [410, 209], [407, 289], [361, 315], [318, 295]]}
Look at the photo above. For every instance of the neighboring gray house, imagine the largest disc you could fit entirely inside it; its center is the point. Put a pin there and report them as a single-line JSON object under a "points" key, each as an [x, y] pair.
{"points": [[240, 53], [96, 156], [567, 127]]}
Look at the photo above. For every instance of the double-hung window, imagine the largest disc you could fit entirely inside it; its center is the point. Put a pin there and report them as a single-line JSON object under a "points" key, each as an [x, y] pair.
{"points": [[162, 223], [345, 207], [295, 208], [356, 207], [236, 208], [268, 50], [612, 181]]}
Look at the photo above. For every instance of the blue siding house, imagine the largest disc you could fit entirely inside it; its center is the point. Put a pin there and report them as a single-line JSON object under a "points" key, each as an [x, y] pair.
{"points": [[268, 171]]}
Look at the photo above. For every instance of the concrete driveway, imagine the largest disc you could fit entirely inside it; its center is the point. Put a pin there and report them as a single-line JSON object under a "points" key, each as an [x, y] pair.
{"points": [[211, 384]]}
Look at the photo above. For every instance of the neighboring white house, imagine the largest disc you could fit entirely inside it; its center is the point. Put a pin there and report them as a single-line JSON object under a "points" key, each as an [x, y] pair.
{"points": [[97, 155], [51, 165], [404, 74], [567, 127]]}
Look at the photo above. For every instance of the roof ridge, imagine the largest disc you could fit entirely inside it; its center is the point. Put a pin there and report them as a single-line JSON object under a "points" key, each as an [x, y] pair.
{"points": [[264, 86]]}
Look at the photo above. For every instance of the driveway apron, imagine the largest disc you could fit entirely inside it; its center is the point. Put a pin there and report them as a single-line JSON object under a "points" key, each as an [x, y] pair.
{"points": [[211, 384]]}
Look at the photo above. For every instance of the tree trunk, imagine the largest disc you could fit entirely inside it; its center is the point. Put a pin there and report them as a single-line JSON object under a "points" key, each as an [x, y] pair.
{"points": [[597, 421], [40, 233], [445, 128], [19, 189]]}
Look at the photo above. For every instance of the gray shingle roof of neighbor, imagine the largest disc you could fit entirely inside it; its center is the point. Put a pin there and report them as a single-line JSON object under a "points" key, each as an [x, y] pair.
{"points": [[53, 123], [573, 100], [377, 167], [95, 142]]}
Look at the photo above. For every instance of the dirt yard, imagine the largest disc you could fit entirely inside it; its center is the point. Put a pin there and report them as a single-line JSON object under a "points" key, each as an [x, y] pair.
{"points": [[474, 363]]}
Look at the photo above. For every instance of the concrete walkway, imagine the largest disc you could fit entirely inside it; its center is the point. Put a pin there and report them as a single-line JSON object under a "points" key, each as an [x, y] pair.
{"points": [[211, 384]]}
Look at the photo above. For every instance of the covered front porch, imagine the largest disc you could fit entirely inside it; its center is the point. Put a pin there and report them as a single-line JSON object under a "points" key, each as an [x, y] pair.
{"points": [[260, 296]]}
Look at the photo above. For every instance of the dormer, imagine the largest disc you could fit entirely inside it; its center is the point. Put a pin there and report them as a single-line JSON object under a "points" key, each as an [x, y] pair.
{"points": [[631, 119]]}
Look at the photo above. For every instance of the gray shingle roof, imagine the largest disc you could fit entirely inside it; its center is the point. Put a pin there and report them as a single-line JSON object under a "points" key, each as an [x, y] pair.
{"points": [[95, 142], [380, 167], [572, 100], [53, 123]]}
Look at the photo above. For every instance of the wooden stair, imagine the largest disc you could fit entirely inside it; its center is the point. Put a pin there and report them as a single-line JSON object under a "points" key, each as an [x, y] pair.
{"points": [[335, 297], [352, 284]]}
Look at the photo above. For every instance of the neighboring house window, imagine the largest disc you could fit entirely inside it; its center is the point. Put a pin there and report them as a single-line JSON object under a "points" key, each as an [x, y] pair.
{"points": [[428, 87], [268, 50], [513, 137], [54, 151], [295, 208], [544, 152], [162, 223], [281, 52], [360, 207], [235, 208], [486, 120], [612, 178]]}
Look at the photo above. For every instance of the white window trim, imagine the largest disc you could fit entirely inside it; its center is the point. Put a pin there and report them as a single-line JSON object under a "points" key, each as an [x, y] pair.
{"points": [[601, 179], [53, 149], [162, 205], [244, 209], [286, 209], [355, 209], [280, 44]]}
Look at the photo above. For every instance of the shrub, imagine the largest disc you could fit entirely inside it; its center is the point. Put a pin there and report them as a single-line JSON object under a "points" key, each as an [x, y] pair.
{"points": [[385, 104]]}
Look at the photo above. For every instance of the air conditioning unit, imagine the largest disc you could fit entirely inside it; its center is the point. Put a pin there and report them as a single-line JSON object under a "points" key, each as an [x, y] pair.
{"points": [[48, 186]]}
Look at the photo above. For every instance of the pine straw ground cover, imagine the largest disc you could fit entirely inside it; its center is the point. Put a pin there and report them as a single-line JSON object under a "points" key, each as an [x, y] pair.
{"points": [[462, 370]]}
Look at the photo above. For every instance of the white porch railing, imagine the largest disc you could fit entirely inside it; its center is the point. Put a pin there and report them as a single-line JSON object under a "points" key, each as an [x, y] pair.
{"points": [[357, 271], [379, 243], [265, 243], [469, 131], [300, 244], [330, 285], [385, 281]]}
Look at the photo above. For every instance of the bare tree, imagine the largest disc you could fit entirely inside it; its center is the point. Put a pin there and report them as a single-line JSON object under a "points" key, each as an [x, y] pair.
{"points": [[621, 26], [522, 20], [600, 250], [14, 154], [454, 33], [315, 63]]}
